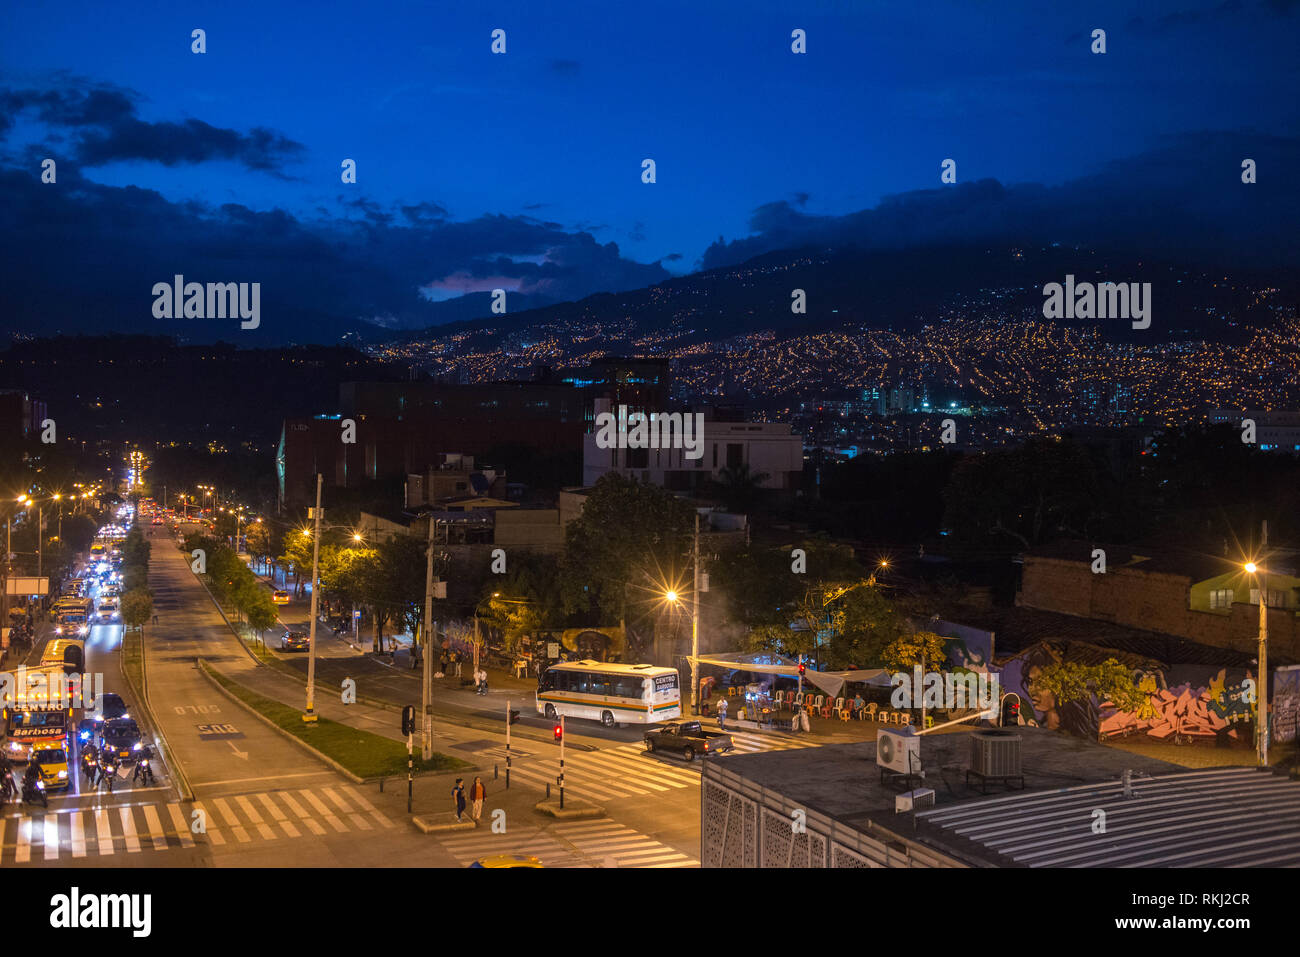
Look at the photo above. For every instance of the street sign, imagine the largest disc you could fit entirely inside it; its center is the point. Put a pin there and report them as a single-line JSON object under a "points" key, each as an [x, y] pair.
{"points": [[27, 586]]}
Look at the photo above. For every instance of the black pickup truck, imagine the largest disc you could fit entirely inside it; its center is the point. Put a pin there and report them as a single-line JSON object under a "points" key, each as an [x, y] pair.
{"points": [[688, 739]]}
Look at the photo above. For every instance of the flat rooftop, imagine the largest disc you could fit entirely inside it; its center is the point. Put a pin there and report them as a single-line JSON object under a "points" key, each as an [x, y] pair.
{"points": [[842, 781]]}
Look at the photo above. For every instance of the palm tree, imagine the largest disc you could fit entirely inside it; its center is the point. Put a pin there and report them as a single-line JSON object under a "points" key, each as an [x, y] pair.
{"points": [[739, 486]]}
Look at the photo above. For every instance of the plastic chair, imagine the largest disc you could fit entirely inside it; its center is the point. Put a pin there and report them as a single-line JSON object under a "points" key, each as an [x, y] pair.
{"points": [[816, 705], [845, 714], [839, 704], [869, 712], [906, 718], [798, 701], [731, 691]]}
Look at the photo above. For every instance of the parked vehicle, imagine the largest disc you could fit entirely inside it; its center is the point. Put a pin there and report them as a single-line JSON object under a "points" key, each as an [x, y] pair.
{"points": [[688, 739]]}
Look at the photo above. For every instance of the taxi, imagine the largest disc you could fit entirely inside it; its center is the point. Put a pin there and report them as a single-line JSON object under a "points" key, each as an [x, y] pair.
{"points": [[52, 762], [280, 597]]}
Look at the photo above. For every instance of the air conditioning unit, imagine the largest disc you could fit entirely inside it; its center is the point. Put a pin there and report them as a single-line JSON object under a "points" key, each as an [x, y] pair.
{"points": [[995, 754], [899, 750]]}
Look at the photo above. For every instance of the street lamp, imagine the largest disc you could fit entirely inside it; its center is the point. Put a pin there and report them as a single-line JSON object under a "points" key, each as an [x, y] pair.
{"points": [[1261, 709]]}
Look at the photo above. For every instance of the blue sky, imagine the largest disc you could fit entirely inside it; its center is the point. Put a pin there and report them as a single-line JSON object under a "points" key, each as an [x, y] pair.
{"points": [[517, 156]]}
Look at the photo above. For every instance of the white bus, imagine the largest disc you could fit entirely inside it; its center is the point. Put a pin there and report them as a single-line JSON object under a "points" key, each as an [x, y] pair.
{"points": [[611, 694]]}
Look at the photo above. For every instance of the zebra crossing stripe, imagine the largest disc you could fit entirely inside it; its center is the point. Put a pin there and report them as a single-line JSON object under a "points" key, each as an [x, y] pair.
{"points": [[357, 820], [103, 833], [262, 827], [210, 826], [23, 852], [157, 833], [306, 818], [643, 775], [232, 821], [51, 837], [646, 767], [182, 826], [279, 816], [374, 812], [77, 834], [128, 830], [323, 811]]}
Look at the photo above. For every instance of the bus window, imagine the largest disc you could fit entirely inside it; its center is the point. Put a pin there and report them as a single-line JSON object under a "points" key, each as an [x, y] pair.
{"points": [[628, 686], [547, 681], [599, 684]]}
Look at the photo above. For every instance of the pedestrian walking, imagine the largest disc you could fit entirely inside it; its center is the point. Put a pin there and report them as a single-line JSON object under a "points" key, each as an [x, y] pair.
{"points": [[722, 714], [458, 663], [458, 793], [477, 793]]}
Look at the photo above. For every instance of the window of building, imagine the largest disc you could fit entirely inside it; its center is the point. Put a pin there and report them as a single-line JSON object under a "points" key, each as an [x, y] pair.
{"points": [[1221, 598]]}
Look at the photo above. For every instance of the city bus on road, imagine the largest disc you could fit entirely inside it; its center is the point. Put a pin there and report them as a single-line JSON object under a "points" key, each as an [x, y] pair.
{"points": [[37, 715], [612, 694]]}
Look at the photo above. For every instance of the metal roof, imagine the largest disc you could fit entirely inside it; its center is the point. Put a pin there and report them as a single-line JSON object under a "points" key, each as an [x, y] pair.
{"points": [[1224, 817]]}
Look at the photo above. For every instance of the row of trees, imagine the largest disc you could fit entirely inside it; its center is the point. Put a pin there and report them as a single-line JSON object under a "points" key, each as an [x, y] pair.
{"points": [[137, 597], [233, 584]]}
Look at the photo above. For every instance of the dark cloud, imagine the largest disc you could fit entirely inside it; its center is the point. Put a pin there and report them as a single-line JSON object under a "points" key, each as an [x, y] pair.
{"points": [[673, 257], [84, 258], [108, 129], [1183, 198]]}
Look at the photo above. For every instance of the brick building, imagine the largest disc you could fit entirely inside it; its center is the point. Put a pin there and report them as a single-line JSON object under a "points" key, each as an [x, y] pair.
{"points": [[1204, 599]]}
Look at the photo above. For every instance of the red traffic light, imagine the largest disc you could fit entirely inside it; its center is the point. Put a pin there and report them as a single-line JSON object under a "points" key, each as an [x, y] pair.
{"points": [[802, 668], [559, 732]]}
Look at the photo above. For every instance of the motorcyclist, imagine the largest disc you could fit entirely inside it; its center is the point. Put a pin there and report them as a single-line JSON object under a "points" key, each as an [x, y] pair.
{"points": [[107, 767], [143, 767], [89, 762]]}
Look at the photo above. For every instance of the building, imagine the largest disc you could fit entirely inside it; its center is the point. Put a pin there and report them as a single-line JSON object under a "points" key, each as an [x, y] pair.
{"points": [[1277, 431], [406, 428], [828, 807], [1211, 601], [453, 476], [769, 449], [20, 415]]}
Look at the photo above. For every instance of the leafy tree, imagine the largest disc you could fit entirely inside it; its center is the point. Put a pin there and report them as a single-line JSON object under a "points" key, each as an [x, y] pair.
{"points": [[923, 648], [260, 611], [739, 488], [137, 607], [1110, 680], [630, 543]]}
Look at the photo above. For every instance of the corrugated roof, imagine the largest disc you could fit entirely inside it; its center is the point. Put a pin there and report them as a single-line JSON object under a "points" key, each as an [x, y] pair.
{"points": [[1225, 817]]}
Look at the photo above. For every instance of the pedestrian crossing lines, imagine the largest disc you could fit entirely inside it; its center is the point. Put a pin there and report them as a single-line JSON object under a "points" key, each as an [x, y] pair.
{"points": [[594, 843], [60, 834], [629, 771]]}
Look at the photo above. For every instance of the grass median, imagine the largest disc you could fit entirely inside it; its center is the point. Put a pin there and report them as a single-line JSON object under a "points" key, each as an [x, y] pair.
{"points": [[133, 661], [364, 754]]}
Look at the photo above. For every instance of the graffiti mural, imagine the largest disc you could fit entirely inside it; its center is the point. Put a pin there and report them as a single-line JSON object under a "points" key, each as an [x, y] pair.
{"points": [[1286, 704], [1182, 704]]}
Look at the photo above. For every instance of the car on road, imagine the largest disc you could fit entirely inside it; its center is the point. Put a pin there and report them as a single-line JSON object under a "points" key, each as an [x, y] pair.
{"points": [[122, 737], [52, 762], [508, 860], [295, 641], [280, 597], [108, 609], [110, 707], [687, 739]]}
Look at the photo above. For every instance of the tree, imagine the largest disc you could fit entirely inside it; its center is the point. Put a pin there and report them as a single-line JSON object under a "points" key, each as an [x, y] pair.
{"points": [[1070, 681], [923, 648], [137, 607], [260, 611], [740, 488]]}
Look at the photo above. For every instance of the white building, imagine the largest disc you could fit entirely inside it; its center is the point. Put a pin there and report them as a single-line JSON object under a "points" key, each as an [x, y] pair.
{"points": [[765, 447]]}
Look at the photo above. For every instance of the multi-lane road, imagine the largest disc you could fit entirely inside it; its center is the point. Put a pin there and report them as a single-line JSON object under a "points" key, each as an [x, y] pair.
{"points": [[245, 795]]}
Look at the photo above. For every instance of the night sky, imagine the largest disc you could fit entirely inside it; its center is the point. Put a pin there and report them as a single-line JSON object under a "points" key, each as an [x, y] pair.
{"points": [[523, 170]]}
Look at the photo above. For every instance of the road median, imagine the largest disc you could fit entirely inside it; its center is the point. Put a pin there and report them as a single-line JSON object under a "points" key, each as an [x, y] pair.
{"points": [[359, 755]]}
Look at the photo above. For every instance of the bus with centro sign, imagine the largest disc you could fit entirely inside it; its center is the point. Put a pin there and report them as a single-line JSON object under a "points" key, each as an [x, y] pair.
{"points": [[613, 694]]}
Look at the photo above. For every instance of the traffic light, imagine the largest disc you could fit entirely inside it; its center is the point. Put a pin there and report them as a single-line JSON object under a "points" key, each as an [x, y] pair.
{"points": [[408, 719], [514, 716], [802, 669], [559, 732]]}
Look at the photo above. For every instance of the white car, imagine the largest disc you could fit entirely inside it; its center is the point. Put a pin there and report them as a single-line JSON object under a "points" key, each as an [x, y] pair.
{"points": [[108, 609]]}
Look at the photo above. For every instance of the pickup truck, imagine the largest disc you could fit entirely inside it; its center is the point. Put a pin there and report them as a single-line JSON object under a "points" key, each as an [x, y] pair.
{"points": [[688, 738]]}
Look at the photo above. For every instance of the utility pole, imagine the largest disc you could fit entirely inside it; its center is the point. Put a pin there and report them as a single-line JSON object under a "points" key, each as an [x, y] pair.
{"points": [[1261, 713], [426, 729], [695, 621], [310, 716]]}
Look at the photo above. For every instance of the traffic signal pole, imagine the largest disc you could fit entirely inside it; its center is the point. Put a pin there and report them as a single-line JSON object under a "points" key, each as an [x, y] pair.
{"points": [[561, 762], [507, 744], [426, 727]]}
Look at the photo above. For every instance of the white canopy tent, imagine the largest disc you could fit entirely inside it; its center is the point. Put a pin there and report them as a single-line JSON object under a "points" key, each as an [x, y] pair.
{"points": [[829, 682]]}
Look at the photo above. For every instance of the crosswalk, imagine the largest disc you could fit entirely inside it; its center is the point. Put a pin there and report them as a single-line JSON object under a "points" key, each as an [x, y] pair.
{"points": [[629, 771], [599, 842], [134, 828]]}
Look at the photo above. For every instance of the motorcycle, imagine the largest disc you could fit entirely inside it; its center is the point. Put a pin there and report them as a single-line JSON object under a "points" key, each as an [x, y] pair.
{"points": [[34, 792], [107, 772], [143, 770], [89, 767]]}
